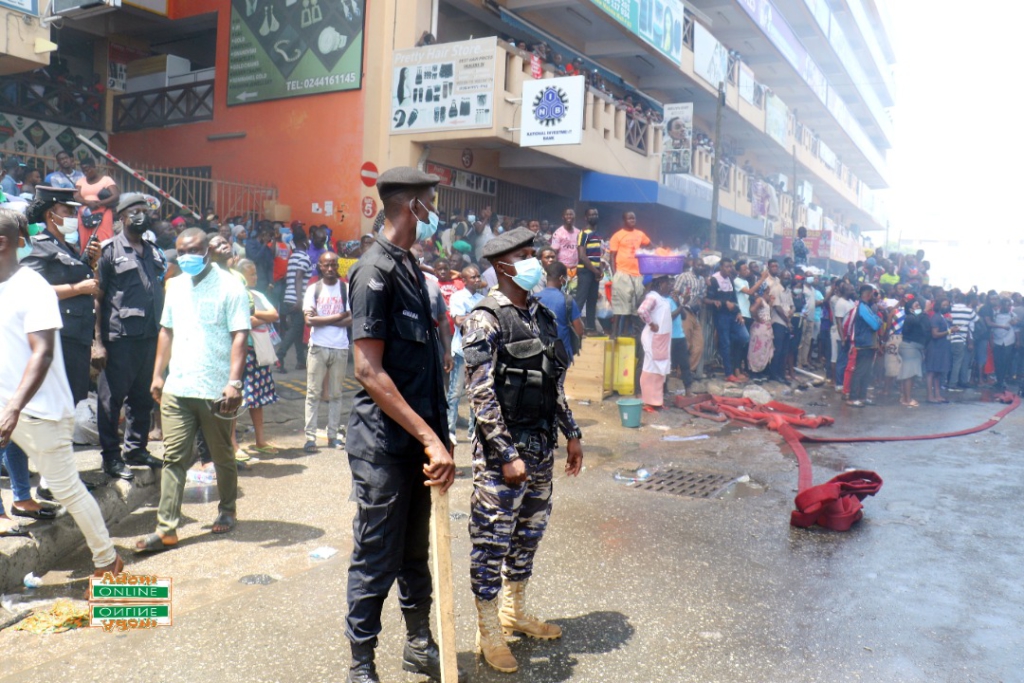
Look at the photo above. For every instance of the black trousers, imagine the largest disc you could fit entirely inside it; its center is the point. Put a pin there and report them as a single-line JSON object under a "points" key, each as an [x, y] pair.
{"points": [[586, 297], [782, 339], [862, 372], [77, 359], [390, 540], [125, 381], [294, 325], [681, 360]]}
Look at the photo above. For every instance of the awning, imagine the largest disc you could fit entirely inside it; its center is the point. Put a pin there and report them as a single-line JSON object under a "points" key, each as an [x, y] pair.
{"points": [[604, 187]]}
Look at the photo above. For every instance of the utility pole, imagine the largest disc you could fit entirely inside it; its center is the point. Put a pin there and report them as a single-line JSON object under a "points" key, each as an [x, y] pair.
{"points": [[713, 232], [796, 140]]}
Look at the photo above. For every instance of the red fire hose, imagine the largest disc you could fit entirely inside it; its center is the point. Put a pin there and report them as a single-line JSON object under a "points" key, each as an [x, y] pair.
{"points": [[836, 504]]}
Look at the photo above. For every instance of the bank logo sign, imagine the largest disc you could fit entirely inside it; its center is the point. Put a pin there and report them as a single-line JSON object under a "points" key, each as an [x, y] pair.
{"points": [[553, 112], [127, 602]]}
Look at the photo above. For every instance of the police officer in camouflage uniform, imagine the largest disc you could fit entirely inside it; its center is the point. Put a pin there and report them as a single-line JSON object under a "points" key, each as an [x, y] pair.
{"points": [[514, 366]]}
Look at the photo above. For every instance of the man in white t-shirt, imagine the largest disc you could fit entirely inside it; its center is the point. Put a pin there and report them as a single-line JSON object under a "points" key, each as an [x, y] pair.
{"points": [[459, 306], [37, 409], [325, 306]]}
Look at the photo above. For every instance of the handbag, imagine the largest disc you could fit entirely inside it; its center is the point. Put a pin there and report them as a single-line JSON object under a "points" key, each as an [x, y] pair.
{"points": [[263, 346]]}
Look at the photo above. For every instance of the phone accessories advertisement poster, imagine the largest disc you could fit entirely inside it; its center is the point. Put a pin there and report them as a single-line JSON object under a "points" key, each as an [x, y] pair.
{"points": [[290, 48], [552, 112], [678, 139], [444, 87], [659, 23]]}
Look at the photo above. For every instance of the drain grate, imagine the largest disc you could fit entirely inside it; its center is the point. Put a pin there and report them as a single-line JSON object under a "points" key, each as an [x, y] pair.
{"points": [[686, 483]]}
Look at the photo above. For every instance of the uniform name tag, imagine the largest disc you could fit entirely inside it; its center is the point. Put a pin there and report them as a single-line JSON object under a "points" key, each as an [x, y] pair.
{"points": [[410, 314]]}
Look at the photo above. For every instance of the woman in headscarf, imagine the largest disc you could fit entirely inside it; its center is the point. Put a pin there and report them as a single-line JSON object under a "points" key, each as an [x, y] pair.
{"points": [[656, 313]]}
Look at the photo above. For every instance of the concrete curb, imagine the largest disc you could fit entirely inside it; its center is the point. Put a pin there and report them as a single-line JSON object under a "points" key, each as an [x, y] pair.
{"points": [[52, 541]]}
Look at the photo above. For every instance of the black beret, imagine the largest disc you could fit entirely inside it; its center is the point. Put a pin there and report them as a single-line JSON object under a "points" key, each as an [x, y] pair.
{"points": [[509, 241], [402, 178], [55, 195]]}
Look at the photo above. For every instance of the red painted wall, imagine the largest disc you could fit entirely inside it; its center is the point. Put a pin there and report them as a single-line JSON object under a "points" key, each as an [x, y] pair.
{"points": [[310, 147]]}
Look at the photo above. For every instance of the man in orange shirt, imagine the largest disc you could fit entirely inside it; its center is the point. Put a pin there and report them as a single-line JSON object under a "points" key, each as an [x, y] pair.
{"points": [[627, 285]]}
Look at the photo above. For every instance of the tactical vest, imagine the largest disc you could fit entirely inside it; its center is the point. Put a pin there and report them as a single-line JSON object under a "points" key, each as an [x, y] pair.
{"points": [[528, 368]]}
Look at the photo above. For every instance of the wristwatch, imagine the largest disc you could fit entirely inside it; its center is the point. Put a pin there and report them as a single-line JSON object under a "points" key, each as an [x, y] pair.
{"points": [[236, 383], [574, 434]]}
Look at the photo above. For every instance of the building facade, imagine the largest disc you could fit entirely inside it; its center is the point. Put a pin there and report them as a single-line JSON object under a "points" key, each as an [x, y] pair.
{"points": [[301, 102]]}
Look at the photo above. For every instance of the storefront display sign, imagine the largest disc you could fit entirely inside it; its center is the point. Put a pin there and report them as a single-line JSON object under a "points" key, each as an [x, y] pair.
{"points": [[290, 48], [444, 87]]}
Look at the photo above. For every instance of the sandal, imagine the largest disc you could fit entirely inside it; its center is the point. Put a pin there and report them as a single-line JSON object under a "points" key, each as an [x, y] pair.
{"points": [[268, 449], [153, 543], [242, 456], [226, 520]]}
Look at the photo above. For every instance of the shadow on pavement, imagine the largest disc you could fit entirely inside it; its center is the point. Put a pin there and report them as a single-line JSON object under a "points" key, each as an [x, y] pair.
{"points": [[554, 661]]}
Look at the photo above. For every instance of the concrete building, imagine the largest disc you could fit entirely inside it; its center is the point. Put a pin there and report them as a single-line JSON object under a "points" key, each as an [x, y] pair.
{"points": [[300, 101]]}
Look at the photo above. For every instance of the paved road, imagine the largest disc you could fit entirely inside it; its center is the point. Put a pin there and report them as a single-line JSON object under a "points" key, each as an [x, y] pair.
{"points": [[648, 587]]}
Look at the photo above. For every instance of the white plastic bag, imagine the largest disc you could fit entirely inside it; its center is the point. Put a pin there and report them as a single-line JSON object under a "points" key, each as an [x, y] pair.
{"points": [[86, 432]]}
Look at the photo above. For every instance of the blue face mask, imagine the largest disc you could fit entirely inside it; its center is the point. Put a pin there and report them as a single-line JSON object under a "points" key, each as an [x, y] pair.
{"points": [[22, 252], [191, 264], [424, 231], [286, 235], [528, 273], [71, 237]]}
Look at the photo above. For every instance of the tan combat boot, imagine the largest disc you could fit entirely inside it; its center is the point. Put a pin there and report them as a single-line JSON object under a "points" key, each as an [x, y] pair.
{"points": [[489, 640], [515, 618]]}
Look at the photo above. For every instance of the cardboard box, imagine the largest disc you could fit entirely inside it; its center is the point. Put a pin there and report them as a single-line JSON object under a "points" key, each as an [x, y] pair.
{"points": [[272, 211], [587, 379]]}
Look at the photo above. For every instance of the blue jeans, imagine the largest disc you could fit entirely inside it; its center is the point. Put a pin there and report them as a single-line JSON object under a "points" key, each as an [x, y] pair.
{"points": [[981, 355], [16, 462], [730, 331], [456, 387], [844, 357]]}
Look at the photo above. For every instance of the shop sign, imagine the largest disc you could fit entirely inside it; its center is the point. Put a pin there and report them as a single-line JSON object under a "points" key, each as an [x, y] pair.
{"points": [[444, 87], [290, 49], [26, 6], [552, 112], [659, 23], [678, 138], [463, 180], [710, 58]]}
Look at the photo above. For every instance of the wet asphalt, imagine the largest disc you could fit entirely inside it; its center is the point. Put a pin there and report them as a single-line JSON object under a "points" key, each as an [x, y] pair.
{"points": [[647, 586]]}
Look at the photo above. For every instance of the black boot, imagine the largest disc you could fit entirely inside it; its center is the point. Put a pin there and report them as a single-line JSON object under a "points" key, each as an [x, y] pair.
{"points": [[362, 669], [420, 655]]}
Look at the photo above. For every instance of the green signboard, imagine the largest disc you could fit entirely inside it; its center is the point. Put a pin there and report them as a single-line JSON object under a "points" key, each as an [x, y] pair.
{"points": [[659, 23], [290, 48]]}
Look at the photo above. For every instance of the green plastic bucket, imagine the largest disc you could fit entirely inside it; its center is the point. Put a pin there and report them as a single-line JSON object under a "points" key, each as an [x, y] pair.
{"points": [[630, 410]]}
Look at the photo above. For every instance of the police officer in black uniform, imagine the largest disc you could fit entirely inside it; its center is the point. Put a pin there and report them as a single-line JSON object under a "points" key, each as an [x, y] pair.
{"points": [[131, 298], [56, 257], [397, 433]]}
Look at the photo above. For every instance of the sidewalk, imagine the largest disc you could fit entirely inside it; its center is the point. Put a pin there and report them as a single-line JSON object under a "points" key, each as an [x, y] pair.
{"points": [[53, 540]]}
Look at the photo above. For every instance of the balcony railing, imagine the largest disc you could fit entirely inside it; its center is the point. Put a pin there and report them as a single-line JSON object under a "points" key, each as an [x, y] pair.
{"points": [[164, 107], [38, 97], [636, 134]]}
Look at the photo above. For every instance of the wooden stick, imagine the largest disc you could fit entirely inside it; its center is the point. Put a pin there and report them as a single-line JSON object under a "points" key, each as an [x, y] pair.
{"points": [[444, 590], [810, 374]]}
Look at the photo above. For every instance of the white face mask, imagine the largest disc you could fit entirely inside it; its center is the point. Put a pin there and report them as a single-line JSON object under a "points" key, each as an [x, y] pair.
{"points": [[66, 224]]}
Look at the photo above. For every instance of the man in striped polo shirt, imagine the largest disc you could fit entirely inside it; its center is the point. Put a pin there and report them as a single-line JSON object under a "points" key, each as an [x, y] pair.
{"points": [[300, 268], [589, 271], [963, 321]]}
